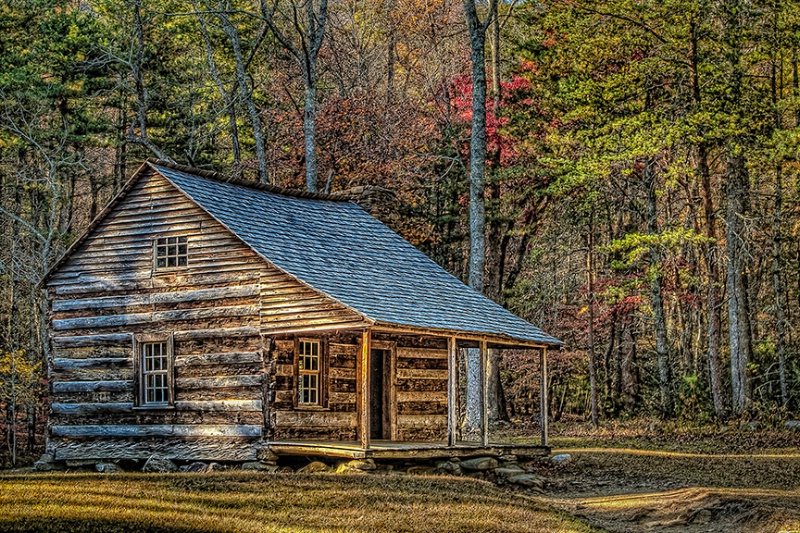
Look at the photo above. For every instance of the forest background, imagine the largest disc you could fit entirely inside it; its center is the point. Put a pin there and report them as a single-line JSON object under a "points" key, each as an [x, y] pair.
{"points": [[641, 182]]}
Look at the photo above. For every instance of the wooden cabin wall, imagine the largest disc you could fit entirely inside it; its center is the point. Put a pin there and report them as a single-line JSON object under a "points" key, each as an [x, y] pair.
{"points": [[421, 388], [107, 292], [337, 420]]}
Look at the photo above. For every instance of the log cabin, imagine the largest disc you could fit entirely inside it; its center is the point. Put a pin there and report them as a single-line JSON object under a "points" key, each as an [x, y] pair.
{"points": [[207, 318]]}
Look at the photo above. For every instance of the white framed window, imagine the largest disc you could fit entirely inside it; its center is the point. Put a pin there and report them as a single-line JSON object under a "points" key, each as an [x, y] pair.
{"points": [[154, 372], [171, 252], [309, 373]]}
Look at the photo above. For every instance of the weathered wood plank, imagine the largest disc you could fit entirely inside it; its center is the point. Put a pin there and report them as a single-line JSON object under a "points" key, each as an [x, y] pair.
{"points": [[314, 418], [157, 430], [421, 421], [91, 408], [197, 334], [155, 284], [110, 373], [154, 317], [415, 373], [342, 373], [92, 386], [224, 358], [156, 298], [219, 382], [80, 341], [220, 406], [336, 348], [194, 449], [60, 363], [342, 397], [420, 353], [126, 407], [421, 396]]}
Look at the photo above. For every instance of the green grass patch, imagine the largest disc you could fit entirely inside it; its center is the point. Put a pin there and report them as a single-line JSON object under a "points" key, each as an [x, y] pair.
{"points": [[255, 502]]}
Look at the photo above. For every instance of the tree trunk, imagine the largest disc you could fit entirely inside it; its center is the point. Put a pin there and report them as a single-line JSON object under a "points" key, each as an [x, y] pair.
{"points": [[629, 370], [477, 185], [737, 207], [656, 297], [709, 251], [777, 280], [247, 96], [777, 255], [227, 97], [494, 388], [590, 322], [309, 124], [137, 70]]}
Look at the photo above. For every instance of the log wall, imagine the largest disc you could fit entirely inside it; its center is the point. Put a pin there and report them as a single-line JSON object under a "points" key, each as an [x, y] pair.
{"points": [[419, 396], [336, 419], [218, 309], [421, 388]]}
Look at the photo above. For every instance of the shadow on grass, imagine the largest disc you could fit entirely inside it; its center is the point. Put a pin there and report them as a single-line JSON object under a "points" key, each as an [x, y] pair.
{"points": [[86, 525]]}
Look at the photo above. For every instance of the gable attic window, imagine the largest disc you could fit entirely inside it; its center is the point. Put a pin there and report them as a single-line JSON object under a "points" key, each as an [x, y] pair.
{"points": [[171, 252], [308, 373]]}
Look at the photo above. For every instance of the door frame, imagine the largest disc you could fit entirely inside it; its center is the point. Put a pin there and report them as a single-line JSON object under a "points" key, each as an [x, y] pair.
{"points": [[389, 387]]}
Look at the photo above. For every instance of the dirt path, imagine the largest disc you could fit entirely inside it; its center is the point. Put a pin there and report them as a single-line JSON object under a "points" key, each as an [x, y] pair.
{"points": [[632, 490]]}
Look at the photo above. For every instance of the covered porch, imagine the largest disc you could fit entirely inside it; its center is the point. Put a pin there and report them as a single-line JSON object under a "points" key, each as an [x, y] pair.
{"points": [[376, 402]]}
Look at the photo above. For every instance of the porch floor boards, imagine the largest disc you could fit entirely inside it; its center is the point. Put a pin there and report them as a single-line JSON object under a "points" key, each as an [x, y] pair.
{"points": [[381, 449]]}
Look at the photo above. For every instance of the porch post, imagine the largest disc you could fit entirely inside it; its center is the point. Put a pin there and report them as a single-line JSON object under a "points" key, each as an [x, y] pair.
{"points": [[543, 392], [484, 395], [363, 402], [452, 390]]}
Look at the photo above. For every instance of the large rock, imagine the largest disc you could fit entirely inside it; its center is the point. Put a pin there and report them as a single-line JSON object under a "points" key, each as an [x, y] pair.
{"points": [[260, 466], [107, 468], [313, 468], [480, 464], [509, 471], [197, 467], [267, 455], [561, 459], [80, 463], [362, 465], [45, 463], [421, 470], [160, 465], [527, 481], [450, 467]]}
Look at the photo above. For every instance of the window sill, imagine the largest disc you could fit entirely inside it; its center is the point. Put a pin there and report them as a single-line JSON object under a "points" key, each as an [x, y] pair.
{"points": [[154, 408], [310, 408]]}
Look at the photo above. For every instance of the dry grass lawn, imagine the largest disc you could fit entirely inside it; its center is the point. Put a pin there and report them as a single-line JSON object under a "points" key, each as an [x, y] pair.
{"points": [[254, 502]]}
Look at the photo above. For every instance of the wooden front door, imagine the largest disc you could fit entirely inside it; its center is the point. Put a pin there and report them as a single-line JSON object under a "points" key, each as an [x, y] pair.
{"points": [[380, 397]]}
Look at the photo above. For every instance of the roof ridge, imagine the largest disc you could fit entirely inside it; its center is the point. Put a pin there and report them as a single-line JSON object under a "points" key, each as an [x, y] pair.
{"points": [[343, 196]]}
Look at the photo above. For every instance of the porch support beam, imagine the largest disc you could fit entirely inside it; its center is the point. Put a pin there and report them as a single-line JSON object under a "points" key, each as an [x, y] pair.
{"points": [[452, 390], [544, 403], [484, 394], [363, 404]]}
